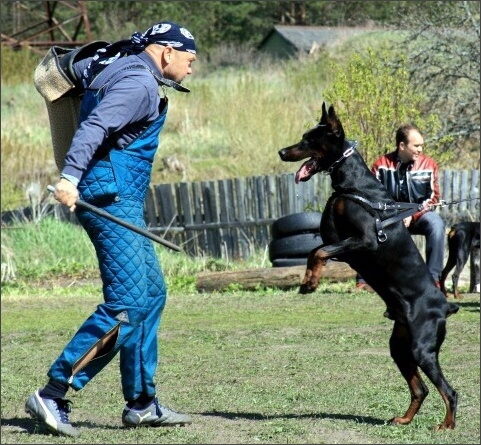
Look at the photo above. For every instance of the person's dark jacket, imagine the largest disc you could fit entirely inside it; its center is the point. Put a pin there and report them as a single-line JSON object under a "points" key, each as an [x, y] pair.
{"points": [[422, 178]]}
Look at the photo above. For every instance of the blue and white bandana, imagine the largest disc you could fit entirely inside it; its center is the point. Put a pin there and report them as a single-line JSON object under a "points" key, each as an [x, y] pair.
{"points": [[167, 34], [164, 33]]}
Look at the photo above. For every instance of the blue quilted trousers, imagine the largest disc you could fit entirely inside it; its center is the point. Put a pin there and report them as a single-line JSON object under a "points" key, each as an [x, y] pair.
{"points": [[135, 295], [133, 283]]}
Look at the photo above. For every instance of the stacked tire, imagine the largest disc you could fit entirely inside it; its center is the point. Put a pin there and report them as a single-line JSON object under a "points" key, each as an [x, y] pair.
{"points": [[293, 237]]}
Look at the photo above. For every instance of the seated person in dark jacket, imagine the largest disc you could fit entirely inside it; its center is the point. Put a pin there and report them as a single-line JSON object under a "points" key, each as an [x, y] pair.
{"points": [[411, 176]]}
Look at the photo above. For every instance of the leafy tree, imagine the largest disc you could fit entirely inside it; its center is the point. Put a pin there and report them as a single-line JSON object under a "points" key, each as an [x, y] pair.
{"points": [[373, 97], [443, 53]]}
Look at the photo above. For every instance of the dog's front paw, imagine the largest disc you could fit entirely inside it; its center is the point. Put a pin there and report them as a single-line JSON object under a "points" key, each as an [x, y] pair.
{"points": [[306, 289]]}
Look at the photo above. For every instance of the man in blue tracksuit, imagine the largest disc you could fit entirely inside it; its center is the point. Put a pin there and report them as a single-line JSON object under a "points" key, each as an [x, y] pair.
{"points": [[109, 165]]}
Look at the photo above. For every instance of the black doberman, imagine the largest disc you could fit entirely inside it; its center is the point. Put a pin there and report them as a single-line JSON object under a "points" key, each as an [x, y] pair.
{"points": [[463, 237], [376, 244]]}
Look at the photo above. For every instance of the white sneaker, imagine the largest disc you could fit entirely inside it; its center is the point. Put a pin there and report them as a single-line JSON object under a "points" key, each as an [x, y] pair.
{"points": [[51, 412], [154, 415]]}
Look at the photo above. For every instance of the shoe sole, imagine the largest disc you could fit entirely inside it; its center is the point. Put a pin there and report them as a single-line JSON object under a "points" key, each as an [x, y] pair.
{"points": [[40, 422], [157, 425]]}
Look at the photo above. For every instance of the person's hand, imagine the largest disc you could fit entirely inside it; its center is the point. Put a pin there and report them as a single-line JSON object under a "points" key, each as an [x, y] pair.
{"points": [[66, 193], [427, 205], [407, 221]]}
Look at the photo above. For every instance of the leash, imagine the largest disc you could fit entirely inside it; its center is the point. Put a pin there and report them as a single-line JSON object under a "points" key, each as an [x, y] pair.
{"points": [[443, 203], [411, 210]]}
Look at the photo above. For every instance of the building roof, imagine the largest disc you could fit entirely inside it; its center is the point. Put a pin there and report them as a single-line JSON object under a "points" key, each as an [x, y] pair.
{"points": [[305, 38]]}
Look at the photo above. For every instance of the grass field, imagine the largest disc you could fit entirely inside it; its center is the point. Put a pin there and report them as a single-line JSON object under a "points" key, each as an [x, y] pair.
{"points": [[250, 367]]}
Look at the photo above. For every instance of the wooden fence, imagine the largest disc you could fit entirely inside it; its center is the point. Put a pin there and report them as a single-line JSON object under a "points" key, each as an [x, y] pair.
{"points": [[231, 218]]}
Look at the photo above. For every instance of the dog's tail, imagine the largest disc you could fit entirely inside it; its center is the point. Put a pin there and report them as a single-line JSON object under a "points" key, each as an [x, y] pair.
{"points": [[453, 308]]}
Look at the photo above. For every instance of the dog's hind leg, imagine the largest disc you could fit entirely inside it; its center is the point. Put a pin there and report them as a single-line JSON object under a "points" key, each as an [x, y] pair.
{"points": [[460, 263], [401, 353], [451, 262], [426, 346], [444, 274]]}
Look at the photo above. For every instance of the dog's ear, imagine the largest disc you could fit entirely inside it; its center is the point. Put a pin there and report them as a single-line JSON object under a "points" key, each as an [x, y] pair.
{"points": [[323, 120], [334, 123], [332, 113], [330, 119]]}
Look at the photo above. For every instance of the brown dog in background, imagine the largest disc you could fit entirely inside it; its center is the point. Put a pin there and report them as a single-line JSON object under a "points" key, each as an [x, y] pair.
{"points": [[462, 239]]}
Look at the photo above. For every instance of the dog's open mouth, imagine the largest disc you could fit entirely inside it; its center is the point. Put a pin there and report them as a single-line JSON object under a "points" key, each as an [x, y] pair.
{"points": [[307, 170]]}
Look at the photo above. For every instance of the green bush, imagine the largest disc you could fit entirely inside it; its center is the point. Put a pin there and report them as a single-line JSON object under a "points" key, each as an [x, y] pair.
{"points": [[373, 97]]}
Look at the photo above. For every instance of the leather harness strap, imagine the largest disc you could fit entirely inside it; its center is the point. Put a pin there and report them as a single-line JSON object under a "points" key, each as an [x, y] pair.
{"points": [[382, 206], [411, 208]]}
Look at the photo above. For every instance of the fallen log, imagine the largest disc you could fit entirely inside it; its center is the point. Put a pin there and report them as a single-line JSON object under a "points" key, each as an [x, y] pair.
{"points": [[278, 277]]}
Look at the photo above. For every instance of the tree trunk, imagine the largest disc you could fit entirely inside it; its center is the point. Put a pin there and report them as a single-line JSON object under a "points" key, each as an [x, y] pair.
{"points": [[280, 277]]}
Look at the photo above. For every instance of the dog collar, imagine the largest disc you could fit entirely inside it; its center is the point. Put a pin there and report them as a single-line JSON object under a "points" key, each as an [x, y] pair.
{"points": [[348, 152]]}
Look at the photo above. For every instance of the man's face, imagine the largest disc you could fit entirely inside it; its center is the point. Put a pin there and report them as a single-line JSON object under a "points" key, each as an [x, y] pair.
{"points": [[411, 150], [179, 65]]}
